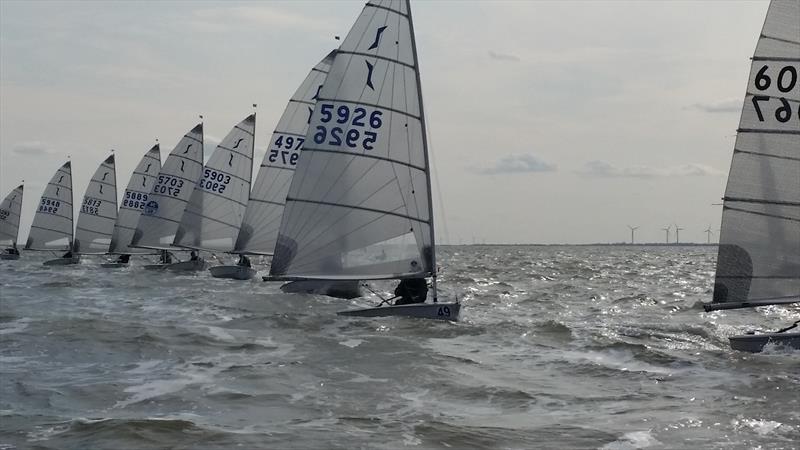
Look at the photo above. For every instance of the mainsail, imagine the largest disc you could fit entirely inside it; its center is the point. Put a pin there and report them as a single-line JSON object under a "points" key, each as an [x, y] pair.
{"points": [[164, 208], [52, 222], [359, 205], [98, 211], [133, 201], [759, 252], [262, 219], [216, 208], [9, 217]]}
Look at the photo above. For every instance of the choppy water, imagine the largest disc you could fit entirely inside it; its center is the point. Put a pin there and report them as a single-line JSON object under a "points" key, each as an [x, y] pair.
{"points": [[558, 347]]}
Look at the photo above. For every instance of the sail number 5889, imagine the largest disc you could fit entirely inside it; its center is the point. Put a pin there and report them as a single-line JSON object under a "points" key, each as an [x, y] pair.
{"points": [[356, 122]]}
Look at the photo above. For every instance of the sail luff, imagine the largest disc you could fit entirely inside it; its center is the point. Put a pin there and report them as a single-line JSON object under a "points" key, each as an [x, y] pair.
{"points": [[10, 212], [758, 260]]}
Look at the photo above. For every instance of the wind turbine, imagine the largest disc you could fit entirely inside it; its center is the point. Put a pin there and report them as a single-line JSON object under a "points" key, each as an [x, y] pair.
{"points": [[633, 230], [709, 233], [677, 234], [667, 231]]}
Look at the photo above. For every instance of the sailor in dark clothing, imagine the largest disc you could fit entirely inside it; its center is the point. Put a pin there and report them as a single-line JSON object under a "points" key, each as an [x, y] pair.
{"points": [[68, 254], [124, 259], [193, 256], [166, 257], [411, 290], [244, 261], [13, 250]]}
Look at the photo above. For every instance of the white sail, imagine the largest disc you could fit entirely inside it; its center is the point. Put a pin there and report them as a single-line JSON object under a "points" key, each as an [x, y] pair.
{"points": [[9, 216], [98, 211], [759, 252], [262, 219], [162, 213], [52, 222], [133, 201], [359, 203], [216, 209]]}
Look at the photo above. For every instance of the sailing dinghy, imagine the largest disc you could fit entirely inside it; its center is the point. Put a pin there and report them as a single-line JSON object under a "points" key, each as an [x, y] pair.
{"points": [[133, 201], [166, 202], [758, 262], [216, 208], [52, 223], [359, 206], [98, 212], [10, 211], [262, 218]]}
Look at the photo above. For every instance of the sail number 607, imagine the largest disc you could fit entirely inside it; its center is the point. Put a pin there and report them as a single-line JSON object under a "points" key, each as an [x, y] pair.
{"points": [[355, 122]]}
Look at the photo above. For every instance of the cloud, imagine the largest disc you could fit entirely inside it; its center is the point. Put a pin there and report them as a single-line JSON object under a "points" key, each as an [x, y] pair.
{"points": [[604, 169], [503, 56], [729, 106], [222, 19], [525, 163], [32, 148]]}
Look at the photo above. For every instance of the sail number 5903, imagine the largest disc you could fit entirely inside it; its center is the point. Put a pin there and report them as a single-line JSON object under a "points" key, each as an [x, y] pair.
{"points": [[785, 80], [356, 122]]}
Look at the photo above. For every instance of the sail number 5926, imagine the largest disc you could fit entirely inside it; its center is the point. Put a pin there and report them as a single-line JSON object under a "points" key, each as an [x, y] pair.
{"points": [[357, 123]]}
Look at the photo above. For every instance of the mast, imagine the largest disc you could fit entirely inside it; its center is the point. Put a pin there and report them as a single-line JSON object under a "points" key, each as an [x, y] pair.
{"points": [[72, 216], [425, 152]]}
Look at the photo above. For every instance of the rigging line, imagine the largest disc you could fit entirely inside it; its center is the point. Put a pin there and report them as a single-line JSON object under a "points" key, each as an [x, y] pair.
{"points": [[775, 38], [767, 131], [303, 174], [774, 216], [760, 201], [767, 155]]}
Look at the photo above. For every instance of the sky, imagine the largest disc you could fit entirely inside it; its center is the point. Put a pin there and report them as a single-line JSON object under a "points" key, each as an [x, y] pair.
{"points": [[550, 121]]}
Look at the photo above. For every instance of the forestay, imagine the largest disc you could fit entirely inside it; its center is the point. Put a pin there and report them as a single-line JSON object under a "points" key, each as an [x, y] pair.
{"points": [[216, 208], [9, 216], [359, 204], [171, 192], [262, 219], [52, 222], [98, 211], [759, 252], [133, 201]]}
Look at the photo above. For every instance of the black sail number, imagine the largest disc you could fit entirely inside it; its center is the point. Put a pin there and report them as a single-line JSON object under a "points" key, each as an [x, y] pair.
{"points": [[783, 113], [787, 79]]}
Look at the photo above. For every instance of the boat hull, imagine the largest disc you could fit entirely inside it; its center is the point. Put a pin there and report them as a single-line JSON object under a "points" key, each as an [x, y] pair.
{"points": [[62, 261], [233, 272], [436, 311], [754, 343], [8, 257], [155, 266], [114, 265], [187, 266], [340, 289]]}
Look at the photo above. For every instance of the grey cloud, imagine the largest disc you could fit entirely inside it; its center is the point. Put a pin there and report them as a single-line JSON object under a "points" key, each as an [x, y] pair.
{"points": [[730, 106], [32, 148], [604, 169], [525, 163], [503, 56]]}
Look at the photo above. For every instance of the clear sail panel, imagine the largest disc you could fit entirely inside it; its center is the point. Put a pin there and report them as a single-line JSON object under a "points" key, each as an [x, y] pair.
{"points": [[134, 199], [10, 211], [98, 212], [52, 222]]}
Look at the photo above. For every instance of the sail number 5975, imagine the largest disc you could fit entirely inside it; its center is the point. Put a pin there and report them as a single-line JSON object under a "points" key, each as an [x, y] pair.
{"points": [[357, 123]]}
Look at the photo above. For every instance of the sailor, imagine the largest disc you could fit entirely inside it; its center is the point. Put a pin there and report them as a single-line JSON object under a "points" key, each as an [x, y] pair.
{"points": [[166, 257], [13, 250], [124, 259], [193, 256], [68, 254], [244, 261], [411, 290]]}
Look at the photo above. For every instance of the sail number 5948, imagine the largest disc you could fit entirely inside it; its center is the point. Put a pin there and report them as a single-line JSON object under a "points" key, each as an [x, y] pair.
{"points": [[357, 123]]}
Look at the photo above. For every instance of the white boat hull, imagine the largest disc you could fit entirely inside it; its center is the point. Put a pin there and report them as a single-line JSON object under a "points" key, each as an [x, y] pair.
{"points": [[754, 343], [233, 272], [187, 266], [340, 289], [437, 311], [63, 261], [8, 257]]}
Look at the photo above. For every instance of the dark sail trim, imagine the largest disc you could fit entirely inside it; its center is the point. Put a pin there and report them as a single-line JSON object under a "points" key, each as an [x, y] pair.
{"points": [[760, 201], [362, 208], [773, 38], [761, 214], [765, 131], [767, 155]]}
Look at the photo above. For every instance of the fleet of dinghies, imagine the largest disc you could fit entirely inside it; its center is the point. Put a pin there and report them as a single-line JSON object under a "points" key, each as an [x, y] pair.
{"points": [[343, 193]]}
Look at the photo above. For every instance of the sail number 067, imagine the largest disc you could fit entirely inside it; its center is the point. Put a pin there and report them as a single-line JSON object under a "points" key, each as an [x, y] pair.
{"points": [[335, 135], [785, 81]]}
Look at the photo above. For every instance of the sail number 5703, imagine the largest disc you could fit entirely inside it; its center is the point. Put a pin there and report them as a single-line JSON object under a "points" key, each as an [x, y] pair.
{"points": [[785, 79], [343, 127]]}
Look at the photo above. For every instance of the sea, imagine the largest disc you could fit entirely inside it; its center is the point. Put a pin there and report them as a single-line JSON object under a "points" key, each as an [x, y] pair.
{"points": [[558, 347]]}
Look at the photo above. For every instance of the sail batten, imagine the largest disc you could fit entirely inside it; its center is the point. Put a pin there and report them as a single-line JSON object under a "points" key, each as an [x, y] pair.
{"points": [[265, 207], [10, 212], [52, 227], [759, 253]]}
